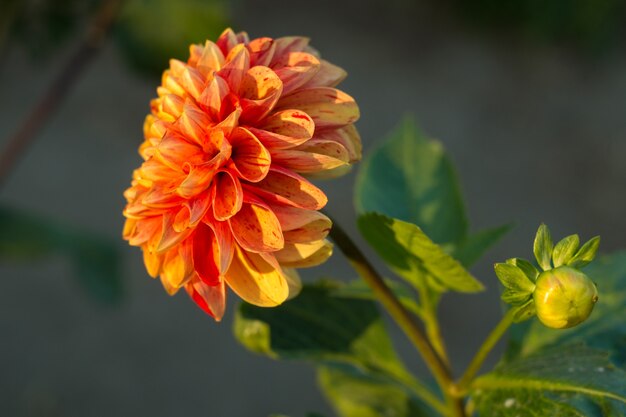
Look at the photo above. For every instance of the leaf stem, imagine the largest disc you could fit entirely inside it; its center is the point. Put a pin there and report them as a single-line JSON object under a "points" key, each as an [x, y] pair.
{"points": [[485, 348], [57, 91], [401, 316]]}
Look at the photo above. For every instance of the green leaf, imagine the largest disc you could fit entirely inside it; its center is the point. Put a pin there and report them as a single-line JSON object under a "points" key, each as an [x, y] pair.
{"points": [[474, 246], [531, 383], [586, 254], [542, 247], [518, 286], [151, 32], [343, 333], [96, 259], [564, 250], [410, 177], [409, 252], [529, 269], [605, 328]]}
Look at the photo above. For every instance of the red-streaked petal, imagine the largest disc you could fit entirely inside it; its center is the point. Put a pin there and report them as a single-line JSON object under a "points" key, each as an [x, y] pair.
{"points": [[170, 237], [295, 69], [225, 242], [227, 41], [286, 187], [211, 299], [259, 92], [285, 129], [256, 281], [256, 228], [312, 156], [228, 196], [251, 159], [329, 75], [261, 51], [328, 107]]}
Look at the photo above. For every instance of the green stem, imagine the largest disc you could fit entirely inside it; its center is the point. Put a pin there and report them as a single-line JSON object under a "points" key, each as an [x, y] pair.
{"points": [[401, 316], [483, 352]]}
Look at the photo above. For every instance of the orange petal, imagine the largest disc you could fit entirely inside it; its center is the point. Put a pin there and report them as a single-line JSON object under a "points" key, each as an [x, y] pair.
{"points": [[174, 151], [329, 75], [259, 91], [213, 96], [228, 196], [200, 176], [328, 107], [172, 105], [256, 228], [301, 225], [235, 66], [295, 69], [193, 123], [261, 51], [193, 81], [211, 59], [157, 171], [304, 255], [178, 265], [256, 281], [198, 207], [181, 219], [285, 129], [211, 299], [170, 237], [286, 187], [206, 255], [159, 197], [251, 159], [142, 230], [153, 261]]}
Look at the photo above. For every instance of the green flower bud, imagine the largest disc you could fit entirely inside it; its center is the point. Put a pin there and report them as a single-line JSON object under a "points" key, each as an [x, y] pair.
{"points": [[564, 297]]}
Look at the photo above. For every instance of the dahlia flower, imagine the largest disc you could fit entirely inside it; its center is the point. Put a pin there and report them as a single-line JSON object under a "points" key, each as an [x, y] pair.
{"points": [[221, 198]]}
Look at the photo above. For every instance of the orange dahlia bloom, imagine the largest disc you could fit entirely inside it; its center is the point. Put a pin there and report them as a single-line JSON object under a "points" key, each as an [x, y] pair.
{"points": [[221, 197]]}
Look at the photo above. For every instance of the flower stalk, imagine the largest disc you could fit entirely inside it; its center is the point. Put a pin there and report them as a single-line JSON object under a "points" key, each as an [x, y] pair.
{"points": [[401, 316]]}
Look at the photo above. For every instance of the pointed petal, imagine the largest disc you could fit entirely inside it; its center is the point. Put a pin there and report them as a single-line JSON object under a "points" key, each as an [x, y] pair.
{"points": [[174, 151], [329, 75], [142, 230], [225, 242], [304, 255], [295, 69], [170, 237], [200, 176], [288, 44], [178, 265], [193, 123], [286, 187], [328, 107], [227, 41], [228, 196], [235, 66], [211, 59], [153, 261], [256, 281], [256, 228], [213, 96], [198, 208], [251, 159], [211, 299]]}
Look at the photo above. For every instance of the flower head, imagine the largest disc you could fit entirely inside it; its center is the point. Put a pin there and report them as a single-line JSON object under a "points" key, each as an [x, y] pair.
{"points": [[221, 199]]}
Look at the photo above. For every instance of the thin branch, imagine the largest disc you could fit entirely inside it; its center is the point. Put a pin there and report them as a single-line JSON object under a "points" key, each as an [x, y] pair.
{"points": [[60, 87]]}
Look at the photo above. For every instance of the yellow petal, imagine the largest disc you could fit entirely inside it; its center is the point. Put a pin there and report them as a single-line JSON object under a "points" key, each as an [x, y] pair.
{"points": [[304, 255], [301, 225], [295, 69], [255, 280], [285, 129]]}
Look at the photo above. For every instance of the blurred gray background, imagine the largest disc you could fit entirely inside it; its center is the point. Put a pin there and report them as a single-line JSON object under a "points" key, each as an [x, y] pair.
{"points": [[535, 124]]}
